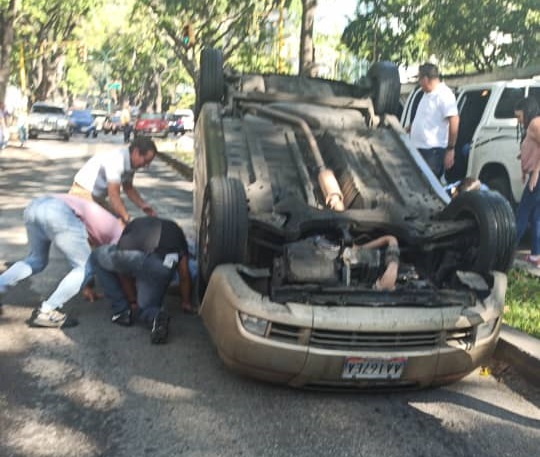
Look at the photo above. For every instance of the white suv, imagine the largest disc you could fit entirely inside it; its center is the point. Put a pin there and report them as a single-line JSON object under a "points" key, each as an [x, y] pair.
{"points": [[488, 141]]}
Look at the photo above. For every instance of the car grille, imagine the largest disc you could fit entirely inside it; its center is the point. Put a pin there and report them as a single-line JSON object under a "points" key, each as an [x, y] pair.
{"points": [[333, 339], [329, 339]]}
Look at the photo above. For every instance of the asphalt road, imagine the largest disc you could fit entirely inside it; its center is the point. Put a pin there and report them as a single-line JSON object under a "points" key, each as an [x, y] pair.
{"points": [[101, 390]]}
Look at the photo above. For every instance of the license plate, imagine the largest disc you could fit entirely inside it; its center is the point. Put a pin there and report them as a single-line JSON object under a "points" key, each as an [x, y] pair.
{"points": [[47, 128], [370, 368]]}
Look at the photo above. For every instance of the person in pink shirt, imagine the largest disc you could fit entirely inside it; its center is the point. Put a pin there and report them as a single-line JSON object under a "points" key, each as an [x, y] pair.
{"points": [[74, 225], [528, 213]]}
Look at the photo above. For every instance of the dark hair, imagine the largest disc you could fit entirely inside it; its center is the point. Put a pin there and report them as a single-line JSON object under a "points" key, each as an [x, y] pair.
{"points": [[530, 109], [429, 70], [144, 144]]}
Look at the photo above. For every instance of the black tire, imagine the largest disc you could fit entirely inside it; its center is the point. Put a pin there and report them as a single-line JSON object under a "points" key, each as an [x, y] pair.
{"points": [[506, 224], [32, 136], [491, 245], [95, 134], [385, 87], [211, 80], [223, 227], [501, 184], [66, 137]]}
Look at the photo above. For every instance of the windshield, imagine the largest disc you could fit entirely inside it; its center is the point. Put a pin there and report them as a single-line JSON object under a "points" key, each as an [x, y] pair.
{"points": [[47, 109]]}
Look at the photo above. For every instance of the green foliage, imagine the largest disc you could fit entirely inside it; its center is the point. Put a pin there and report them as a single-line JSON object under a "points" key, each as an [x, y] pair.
{"points": [[484, 33], [388, 30], [238, 27], [522, 309]]}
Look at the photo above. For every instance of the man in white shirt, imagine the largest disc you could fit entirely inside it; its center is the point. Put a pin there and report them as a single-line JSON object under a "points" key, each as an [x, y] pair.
{"points": [[106, 173], [435, 127]]}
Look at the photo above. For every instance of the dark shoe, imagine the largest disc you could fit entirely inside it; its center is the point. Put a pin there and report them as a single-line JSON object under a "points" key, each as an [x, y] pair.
{"points": [[122, 318], [53, 318], [160, 328]]}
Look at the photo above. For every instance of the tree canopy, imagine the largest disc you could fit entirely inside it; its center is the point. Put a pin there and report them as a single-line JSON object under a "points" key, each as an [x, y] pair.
{"points": [[478, 33], [142, 50]]}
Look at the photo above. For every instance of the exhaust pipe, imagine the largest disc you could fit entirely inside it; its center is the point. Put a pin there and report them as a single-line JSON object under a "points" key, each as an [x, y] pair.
{"points": [[333, 197]]}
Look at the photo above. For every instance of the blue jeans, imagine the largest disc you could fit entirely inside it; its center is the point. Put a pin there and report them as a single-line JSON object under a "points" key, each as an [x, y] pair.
{"points": [[528, 212], [434, 157], [151, 277], [49, 220]]}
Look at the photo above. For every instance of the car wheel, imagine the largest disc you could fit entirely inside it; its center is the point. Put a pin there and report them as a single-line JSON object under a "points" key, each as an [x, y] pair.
{"points": [[211, 80], [66, 137], [32, 136], [385, 87], [223, 227], [95, 134], [490, 246], [501, 185], [506, 223]]}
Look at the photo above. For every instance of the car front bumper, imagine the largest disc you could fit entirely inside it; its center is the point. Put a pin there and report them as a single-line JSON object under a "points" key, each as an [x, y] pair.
{"points": [[310, 346]]}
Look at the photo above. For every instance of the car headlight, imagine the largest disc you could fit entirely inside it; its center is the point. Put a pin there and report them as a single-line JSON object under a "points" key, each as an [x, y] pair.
{"points": [[486, 329], [253, 324]]}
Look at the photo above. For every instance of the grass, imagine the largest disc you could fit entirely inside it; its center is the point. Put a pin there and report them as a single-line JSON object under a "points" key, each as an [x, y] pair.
{"points": [[522, 308], [176, 149]]}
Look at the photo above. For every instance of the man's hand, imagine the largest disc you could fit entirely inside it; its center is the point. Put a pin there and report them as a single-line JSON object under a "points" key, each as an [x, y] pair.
{"points": [[90, 294], [449, 158], [533, 180], [148, 210]]}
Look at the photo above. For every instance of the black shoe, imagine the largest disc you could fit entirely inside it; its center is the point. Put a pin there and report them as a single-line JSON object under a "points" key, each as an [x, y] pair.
{"points": [[122, 318], [53, 318], [160, 328]]}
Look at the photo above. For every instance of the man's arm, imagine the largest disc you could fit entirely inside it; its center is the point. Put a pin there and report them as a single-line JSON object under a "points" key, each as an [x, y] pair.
{"points": [[117, 205], [185, 284], [453, 126], [136, 198]]}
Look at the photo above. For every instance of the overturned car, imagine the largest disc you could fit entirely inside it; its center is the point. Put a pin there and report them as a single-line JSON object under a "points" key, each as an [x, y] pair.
{"points": [[329, 255]]}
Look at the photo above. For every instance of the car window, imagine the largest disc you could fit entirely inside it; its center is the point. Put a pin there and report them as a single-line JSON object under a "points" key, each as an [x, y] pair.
{"points": [[47, 109], [151, 116], [534, 91], [507, 102], [471, 106]]}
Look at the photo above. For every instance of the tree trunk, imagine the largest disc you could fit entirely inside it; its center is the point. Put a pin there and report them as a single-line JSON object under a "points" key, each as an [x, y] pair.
{"points": [[7, 18], [307, 58]]}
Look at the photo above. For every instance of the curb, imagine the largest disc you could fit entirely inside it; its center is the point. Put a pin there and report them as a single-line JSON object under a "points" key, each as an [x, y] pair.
{"points": [[514, 348], [183, 168], [521, 351]]}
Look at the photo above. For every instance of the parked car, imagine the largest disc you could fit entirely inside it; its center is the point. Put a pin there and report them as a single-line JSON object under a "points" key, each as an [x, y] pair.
{"points": [[99, 119], [151, 124], [181, 121], [112, 124], [48, 119], [488, 139], [292, 175], [82, 121]]}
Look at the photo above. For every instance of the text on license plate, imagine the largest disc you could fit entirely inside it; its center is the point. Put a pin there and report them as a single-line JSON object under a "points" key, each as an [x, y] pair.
{"points": [[370, 368]]}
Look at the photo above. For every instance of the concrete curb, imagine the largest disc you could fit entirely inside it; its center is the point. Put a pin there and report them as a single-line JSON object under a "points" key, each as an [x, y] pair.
{"points": [[514, 348], [183, 168], [521, 351]]}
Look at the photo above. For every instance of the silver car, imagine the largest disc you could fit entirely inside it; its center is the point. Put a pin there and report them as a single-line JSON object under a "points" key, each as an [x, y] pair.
{"points": [[329, 255]]}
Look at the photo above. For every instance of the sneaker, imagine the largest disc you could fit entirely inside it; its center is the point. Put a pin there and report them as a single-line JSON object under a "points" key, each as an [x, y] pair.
{"points": [[533, 260], [53, 318], [160, 328], [122, 318]]}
